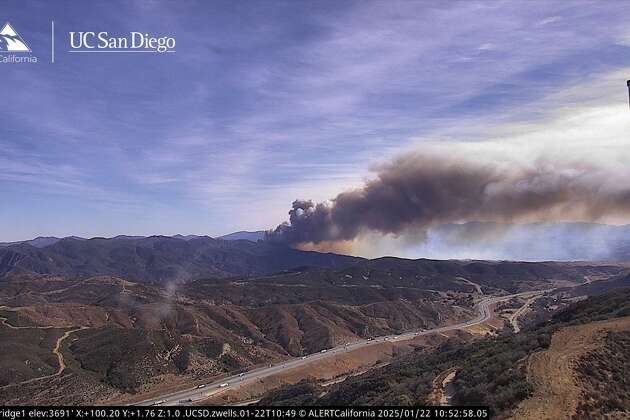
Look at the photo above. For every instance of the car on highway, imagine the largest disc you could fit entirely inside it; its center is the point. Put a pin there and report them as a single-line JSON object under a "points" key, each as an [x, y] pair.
{"points": [[223, 385], [201, 386], [324, 351]]}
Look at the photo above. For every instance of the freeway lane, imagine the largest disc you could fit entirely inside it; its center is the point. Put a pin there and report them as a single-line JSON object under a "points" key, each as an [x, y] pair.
{"points": [[195, 394], [520, 311]]}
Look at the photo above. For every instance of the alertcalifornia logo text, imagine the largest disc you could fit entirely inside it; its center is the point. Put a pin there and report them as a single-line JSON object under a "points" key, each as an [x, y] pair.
{"points": [[13, 48]]}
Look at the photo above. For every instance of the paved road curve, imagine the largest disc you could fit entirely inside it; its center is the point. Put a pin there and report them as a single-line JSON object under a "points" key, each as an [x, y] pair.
{"points": [[195, 394], [520, 311]]}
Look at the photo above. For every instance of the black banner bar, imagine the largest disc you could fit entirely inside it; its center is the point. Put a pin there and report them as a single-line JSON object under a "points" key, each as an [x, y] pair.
{"points": [[249, 412]]}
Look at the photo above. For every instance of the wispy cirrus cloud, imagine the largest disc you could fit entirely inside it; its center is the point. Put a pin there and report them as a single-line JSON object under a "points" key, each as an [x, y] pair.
{"points": [[270, 102]]}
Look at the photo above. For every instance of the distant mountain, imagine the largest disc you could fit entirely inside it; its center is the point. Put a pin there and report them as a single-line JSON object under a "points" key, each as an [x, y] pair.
{"points": [[160, 259], [39, 242], [129, 237], [44, 241], [187, 237], [258, 235]]}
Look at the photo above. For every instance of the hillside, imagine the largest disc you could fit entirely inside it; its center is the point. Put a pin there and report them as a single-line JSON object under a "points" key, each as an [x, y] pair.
{"points": [[495, 371], [190, 331], [600, 287], [198, 330], [492, 276], [603, 376], [558, 375], [160, 259]]}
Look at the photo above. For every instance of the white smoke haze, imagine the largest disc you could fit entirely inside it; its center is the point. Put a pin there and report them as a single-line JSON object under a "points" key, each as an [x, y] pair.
{"points": [[523, 242]]}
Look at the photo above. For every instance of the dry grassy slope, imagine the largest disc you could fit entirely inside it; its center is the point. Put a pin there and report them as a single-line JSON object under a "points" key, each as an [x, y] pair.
{"points": [[604, 379], [491, 372], [557, 392], [72, 386], [177, 333], [27, 353], [306, 326], [212, 327], [293, 329]]}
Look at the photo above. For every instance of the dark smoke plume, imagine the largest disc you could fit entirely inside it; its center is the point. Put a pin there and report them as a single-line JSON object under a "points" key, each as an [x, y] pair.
{"points": [[416, 192]]}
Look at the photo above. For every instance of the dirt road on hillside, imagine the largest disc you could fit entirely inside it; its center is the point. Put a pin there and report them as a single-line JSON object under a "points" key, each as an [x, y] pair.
{"points": [[551, 372], [56, 350]]}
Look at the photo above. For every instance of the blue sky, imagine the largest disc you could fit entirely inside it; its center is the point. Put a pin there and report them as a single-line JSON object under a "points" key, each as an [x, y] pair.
{"points": [[268, 101]]}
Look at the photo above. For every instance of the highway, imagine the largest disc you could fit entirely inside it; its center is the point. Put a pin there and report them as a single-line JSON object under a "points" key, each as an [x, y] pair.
{"points": [[204, 391], [514, 317]]}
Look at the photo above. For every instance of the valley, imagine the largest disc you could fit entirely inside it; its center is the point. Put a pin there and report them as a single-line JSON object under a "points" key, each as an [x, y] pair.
{"points": [[557, 369], [484, 309], [93, 338]]}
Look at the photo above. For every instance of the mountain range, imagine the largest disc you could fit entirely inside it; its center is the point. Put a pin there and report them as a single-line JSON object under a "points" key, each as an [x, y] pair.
{"points": [[158, 259], [477, 240], [44, 241]]}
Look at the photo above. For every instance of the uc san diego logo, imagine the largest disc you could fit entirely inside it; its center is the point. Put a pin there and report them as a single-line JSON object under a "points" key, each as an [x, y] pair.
{"points": [[11, 42]]}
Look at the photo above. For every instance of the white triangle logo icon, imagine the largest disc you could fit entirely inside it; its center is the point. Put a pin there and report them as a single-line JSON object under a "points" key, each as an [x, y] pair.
{"points": [[10, 40]]}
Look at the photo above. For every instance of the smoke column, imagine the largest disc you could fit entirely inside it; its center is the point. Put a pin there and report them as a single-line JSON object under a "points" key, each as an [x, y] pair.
{"points": [[415, 192]]}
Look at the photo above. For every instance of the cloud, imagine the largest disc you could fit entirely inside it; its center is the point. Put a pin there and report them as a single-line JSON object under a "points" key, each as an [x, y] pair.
{"points": [[548, 20], [262, 103]]}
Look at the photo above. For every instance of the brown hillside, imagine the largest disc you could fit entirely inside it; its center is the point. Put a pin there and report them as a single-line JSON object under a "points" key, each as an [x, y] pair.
{"points": [[557, 390]]}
